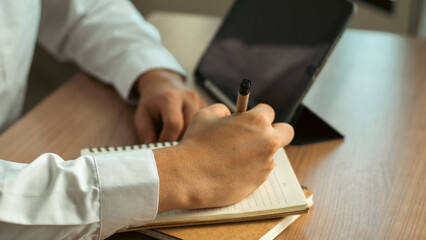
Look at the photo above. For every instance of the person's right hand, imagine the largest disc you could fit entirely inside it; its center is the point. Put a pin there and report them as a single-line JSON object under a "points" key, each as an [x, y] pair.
{"points": [[221, 159]]}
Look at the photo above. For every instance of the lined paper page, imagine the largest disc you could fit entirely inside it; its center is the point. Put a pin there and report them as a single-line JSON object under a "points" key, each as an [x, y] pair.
{"points": [[281, 192]]}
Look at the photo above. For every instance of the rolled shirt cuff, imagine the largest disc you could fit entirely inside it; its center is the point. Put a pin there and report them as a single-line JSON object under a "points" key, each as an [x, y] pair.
{"points": [[129, 190]]}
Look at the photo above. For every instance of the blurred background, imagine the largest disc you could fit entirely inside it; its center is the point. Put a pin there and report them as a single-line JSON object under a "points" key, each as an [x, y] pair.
{"points": [[405, 17]]}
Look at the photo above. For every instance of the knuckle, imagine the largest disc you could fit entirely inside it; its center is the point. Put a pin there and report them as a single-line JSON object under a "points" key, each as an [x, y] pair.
{"points": [[174, 124], [201, 113], [259, 119], [219, 106], [213, 110], [171, 95], [267, 107], [193, 95]]}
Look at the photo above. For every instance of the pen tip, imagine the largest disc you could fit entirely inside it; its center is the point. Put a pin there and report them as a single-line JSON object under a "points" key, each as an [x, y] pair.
{"points": [[246, 83], [245, 87]]}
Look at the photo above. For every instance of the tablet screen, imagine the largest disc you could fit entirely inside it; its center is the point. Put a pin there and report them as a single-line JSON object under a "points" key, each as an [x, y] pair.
{"points": [[277, 44]]}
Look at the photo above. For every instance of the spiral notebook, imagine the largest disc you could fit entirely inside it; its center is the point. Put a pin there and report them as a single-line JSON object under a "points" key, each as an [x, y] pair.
{"points": [[279, 196]]}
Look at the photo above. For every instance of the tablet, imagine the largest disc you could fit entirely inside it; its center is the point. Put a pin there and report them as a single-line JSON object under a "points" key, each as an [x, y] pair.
{"points": [[280, 45]]}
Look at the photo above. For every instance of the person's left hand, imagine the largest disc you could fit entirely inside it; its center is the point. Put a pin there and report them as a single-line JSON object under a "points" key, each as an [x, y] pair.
{"points": [[166, 106]]}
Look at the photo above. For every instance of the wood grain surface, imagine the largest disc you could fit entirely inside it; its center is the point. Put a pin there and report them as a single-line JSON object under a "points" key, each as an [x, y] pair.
{"points": [[371, 185]]}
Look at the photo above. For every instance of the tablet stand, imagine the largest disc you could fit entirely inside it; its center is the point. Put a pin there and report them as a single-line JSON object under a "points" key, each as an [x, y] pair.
{"points": [[309, 128]]}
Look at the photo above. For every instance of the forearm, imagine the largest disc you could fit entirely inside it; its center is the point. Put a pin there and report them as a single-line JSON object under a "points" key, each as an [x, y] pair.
{"points": [[83, 198]]}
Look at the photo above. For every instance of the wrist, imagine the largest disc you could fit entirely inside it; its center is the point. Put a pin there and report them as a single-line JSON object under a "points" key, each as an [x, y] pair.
{"points": [[157, 77], [173, 191]]}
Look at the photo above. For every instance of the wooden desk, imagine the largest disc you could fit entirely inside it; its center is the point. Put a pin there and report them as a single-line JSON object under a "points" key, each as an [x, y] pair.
{"points": [[369, 186]]}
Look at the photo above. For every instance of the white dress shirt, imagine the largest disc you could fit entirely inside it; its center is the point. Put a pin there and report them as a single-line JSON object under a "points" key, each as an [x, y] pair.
{"points": [[89, 197]]}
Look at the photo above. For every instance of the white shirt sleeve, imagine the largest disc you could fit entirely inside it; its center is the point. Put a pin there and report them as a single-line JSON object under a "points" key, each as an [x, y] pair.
{"points": [[86, 198], [107, 38]]}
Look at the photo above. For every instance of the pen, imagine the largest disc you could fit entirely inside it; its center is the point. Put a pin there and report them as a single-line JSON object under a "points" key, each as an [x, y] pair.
{"points": [[243, 96]]}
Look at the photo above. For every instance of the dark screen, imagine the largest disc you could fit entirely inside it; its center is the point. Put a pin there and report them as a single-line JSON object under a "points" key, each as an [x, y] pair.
{"points": [[277, 44]]}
